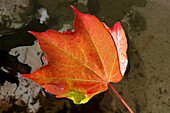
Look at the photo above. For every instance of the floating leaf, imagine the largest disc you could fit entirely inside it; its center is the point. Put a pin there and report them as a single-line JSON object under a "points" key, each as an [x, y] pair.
{"points": [[81, 63]]}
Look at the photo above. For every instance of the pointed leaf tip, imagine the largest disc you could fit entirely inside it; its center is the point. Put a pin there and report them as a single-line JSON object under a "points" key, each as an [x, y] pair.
{"points": [[72, 6], [117, 26], [32, 32], [23, 75], [26, 75], [117, 23], [36, 34], [75, 10]]}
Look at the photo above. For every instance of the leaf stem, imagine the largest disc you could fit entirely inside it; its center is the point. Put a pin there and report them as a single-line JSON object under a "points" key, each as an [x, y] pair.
{"points": [[127, 106]]}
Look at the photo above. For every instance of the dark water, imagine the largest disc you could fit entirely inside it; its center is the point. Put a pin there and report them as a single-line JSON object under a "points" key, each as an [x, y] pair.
{"points": [[133, 87]]}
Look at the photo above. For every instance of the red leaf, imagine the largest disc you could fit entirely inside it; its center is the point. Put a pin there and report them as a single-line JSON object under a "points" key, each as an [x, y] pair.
{"points": [[81, 63]]}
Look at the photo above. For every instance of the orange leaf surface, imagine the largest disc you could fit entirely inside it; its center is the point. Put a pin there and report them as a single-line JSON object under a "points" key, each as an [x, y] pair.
{"points": [[83, 62]]}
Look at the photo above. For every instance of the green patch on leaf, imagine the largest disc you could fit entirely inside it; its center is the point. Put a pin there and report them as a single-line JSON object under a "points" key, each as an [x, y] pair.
{"points": [[76, 97]]}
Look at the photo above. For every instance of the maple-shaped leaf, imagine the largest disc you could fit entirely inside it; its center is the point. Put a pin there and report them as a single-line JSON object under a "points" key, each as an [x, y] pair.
{"points": [[81, 64]]}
